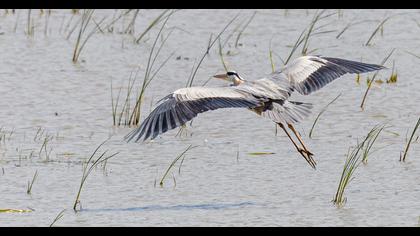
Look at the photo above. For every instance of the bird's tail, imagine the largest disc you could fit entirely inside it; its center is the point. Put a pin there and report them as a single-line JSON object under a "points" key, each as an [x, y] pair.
{"points": [[290, 112], [297, 111]]}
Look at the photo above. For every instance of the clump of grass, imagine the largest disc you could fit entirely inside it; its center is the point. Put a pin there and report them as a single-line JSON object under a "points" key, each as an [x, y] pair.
{"points": [[59, 216], [149, 76], [370, 140], [350, 165], [320, 113], [173, 163], [125, 109], [402, 158], [31, 183], [87, 169], [373, 79], [87, 16], [353, 160]]}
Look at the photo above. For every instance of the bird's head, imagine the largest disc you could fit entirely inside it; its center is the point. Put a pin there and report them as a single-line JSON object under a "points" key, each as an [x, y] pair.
{"points": [[231, 76]]}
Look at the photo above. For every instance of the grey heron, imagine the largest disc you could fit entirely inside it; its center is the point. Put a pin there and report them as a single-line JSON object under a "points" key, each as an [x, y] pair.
{"points": [[267, 97]]}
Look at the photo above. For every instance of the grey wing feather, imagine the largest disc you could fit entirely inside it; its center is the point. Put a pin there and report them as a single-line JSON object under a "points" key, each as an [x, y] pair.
{"points": [[310, 73], [185, 104]]}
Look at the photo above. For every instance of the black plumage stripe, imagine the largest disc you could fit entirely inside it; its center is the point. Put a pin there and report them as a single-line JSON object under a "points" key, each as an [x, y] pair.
{"points": [[354, 66]]}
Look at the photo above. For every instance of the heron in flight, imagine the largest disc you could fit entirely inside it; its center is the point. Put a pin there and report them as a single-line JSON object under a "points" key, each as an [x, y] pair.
{"points": [[267, 97]]}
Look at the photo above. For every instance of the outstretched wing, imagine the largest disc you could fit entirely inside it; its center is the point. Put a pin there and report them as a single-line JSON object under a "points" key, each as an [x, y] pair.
{"points": [[309, 73], [184, 104]]}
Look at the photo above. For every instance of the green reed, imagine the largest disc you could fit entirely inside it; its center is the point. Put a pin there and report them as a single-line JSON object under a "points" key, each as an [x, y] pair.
{"points": [[87, 169], [394, 75], [377, 29], [307, 33], [243, 29], [221, 56], [31, 183], [130, 27], [149, 75], [402, 158], [151, 25], [370, 140], [353, 161], [173, 163], [58, 217], [348, 26], [212, 42], [355, 157], [373, 79], [30, 25], [86, 18], [320, 113]]}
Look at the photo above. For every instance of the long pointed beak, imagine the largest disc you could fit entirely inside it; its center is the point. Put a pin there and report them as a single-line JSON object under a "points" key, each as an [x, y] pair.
{"points": [[221, 76]]}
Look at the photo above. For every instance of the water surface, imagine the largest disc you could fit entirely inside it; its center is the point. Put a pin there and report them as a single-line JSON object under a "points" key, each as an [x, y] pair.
{"points": [[42, 87]]}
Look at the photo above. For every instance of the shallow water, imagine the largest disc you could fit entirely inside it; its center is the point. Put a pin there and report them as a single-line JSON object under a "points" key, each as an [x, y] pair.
{"points": [[41, 87]]}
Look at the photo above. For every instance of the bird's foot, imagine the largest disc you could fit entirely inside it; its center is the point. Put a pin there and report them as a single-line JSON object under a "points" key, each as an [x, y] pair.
{"points": [[308, 157], [308, 152]]}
